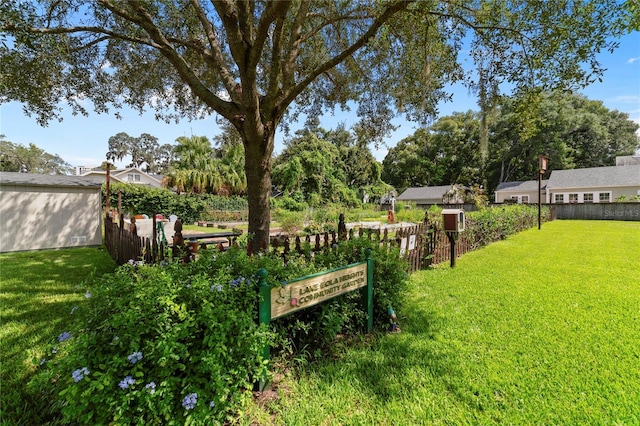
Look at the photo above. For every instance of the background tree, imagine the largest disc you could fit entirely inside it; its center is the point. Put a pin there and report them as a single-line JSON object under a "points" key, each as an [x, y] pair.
{"points": [[199, 168], [144, 151], [406, 164], [30, 159], [249, 61], [312, 170], [571, 130], [445, 153]]}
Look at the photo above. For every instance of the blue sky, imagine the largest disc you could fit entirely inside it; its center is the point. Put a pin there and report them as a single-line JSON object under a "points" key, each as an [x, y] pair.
{"points": [[83, 141]]}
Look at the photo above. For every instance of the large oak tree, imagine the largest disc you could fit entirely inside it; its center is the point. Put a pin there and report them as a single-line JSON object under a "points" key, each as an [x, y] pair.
{"points": [[250, 61]]}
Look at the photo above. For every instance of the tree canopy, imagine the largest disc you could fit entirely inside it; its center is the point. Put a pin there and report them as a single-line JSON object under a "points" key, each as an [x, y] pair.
{"points": [[30, 159], [250, 61], [319, 165], [571, 130], [200, 168], [143, 150]]}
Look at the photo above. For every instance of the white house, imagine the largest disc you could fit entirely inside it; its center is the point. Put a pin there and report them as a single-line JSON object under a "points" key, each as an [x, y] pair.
{"points": [[49, 211], [129, 175], [593, 185], [588, 185], [524, 192]]}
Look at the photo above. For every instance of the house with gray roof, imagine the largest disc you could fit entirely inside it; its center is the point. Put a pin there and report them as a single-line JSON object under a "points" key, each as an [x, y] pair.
{"points": [[428, 195], [129, 175], [593, 185], [628, 160], [588, 185], [522, 192], [49, 211]]}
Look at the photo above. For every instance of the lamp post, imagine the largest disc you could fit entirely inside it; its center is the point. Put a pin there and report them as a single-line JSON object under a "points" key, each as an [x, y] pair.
{"points": [[542, 167]]}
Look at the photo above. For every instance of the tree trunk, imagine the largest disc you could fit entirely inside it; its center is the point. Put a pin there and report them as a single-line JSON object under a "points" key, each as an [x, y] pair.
{"points": [[258, 172]]}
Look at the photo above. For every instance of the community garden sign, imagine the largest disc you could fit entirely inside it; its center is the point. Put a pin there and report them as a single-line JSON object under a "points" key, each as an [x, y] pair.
{"points": [[313, 289]]}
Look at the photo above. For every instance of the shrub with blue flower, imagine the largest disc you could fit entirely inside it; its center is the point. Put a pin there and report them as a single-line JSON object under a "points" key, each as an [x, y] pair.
{"points": [[189, 401], [191, 322], [135, 357], [64, 336], [80, 374], [128, 381]]}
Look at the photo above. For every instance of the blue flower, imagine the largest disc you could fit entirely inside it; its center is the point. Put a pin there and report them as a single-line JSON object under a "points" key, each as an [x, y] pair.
{"points": [[151, 386], [238, 281], [64, 336], [80, 374], [189, 401], [212, 404], [135, 357], [87, 295], [217, 287], [43, 361], [128, 381]]}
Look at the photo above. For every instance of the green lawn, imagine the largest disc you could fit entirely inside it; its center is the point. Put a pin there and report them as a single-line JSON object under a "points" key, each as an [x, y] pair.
{"points": [[542, 328], [38, 290]]}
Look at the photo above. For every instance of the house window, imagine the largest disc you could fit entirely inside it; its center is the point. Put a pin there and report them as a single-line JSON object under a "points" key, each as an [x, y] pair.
{"points": [[559, 198], [573, 198], [588, 197], [605, 197], [133, 177], [520, 199]]}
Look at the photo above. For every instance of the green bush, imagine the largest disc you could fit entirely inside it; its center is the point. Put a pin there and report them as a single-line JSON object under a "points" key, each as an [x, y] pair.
{"points": [[288, 203], [290, 221], [408, 212], [139, 199], [180, 344], [168, 345], [498, 222]]}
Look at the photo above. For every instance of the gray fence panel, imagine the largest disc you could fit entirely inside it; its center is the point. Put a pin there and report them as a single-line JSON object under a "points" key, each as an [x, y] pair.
{"points": [[608, 211]]}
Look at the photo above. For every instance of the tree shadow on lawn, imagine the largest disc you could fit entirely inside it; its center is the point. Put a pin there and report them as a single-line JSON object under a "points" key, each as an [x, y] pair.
{"points": [[402, 365], [37, 298]]}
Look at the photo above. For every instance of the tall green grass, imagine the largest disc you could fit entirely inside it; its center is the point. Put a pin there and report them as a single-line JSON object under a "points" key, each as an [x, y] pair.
{"points": [[38, 291], [542, 328]]}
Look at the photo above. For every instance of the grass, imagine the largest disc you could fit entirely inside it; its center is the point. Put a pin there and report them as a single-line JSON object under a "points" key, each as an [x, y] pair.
{"points": [[542, 328], [37, 293]]}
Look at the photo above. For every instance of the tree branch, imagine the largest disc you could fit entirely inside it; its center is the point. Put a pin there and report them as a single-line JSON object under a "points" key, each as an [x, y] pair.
{"points": [[217, 56], [144, 20], [394, 8], [229, 19]]}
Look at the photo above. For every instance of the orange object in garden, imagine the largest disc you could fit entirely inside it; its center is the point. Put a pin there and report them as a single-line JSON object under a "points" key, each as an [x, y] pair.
{"points": [[391, 217]]}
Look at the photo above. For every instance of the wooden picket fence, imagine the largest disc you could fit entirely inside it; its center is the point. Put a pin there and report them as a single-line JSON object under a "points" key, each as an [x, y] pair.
{"points": [[421, 245], [124, 244], [439, 248]]}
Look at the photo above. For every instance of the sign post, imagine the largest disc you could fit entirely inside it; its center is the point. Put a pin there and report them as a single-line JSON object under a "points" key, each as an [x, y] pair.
{"points": [[309, 291]]}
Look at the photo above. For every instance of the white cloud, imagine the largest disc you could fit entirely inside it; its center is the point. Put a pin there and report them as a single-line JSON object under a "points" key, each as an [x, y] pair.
{"points": [[627, 99], [632, 60]]}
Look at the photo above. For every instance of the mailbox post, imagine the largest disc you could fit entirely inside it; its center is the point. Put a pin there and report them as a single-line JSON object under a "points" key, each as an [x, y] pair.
{"points": [[454, 223]]}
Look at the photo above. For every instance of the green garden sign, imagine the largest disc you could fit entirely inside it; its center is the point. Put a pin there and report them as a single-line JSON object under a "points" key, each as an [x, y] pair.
{"points": [[308, 291]]}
